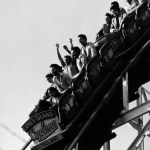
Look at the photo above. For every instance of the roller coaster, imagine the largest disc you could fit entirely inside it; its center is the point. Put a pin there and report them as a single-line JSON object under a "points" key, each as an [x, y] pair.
{"points": [[92, 106]]}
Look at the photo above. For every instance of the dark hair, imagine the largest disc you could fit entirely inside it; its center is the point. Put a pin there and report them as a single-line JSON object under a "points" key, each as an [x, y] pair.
{"points": [[77, 49], [57, 67], [109, 15], [53, 89], [82, 36], [67, 56], [115, 5], [49, 75]]}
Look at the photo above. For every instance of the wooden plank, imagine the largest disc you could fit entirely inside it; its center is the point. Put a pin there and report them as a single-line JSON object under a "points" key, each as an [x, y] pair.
{"points": [[132, 114]]}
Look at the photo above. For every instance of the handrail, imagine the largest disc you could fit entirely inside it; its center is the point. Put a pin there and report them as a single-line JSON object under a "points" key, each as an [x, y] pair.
{"points": [[26, 144]]}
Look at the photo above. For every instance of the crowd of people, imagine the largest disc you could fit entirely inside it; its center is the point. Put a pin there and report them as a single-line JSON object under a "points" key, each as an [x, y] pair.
{"points": [[61, 77]]}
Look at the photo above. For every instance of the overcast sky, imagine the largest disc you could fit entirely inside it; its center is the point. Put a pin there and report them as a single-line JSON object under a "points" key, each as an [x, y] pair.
{"points": [[29, 30]]}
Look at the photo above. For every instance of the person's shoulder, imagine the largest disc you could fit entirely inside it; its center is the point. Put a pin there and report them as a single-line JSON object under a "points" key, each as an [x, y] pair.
{"points": [[80, 56], [65, 67], [113, 21], [64, 74], [90, 44], [54, 78], [52, 85], [122, 10]]}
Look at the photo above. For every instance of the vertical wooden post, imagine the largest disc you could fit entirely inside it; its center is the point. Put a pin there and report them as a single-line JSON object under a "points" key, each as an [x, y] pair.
{"points": [[140, 119], [106, 146], [125, 92]]}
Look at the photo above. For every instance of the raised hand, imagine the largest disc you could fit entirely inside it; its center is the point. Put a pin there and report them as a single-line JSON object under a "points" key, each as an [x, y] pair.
{"points": [[70, 40], [57, 45], [65, 47]]}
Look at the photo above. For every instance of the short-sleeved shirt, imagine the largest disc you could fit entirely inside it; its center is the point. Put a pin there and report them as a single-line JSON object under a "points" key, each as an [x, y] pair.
{"points": [[63, 82]]}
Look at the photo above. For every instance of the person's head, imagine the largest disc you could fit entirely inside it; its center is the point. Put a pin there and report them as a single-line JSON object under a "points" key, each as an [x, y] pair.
{"points": [[65, 47], [115, 9], [76, 52], [115, 3], [55, 69], [67, 60], [49, 77], [108, 18], [82, 39], [129, 1], [52, 91]]}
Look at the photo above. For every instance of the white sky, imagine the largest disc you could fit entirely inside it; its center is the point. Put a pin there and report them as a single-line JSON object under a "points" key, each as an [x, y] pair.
{"points": [[29, 30]]}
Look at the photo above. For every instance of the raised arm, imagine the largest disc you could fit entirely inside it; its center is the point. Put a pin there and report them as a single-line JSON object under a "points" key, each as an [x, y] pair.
{"points": [[59, 56], [70, 40], [66, 48]]}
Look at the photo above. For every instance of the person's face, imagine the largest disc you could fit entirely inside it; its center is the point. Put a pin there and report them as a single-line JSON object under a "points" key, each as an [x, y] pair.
{"points": [[50, 80], [67, 60], [75, 54], [82, 41], [108, 20], [54, 71], [115, 12], [52, 93]]}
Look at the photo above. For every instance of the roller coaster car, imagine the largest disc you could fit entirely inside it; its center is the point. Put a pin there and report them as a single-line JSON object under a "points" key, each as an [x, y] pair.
{"points": [[75, 106], [89, 88]]}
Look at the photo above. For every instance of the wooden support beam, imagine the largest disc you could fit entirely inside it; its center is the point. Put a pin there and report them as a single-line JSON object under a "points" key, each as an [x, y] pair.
{"points": [[132, 114], [140, 137], [106, 146], [125, 92], [27, 144], [148, 92]]}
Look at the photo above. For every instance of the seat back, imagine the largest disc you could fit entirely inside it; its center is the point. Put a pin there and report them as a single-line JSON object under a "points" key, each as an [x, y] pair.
{"points": [[67, 107], [81, 87], [131, 29], [143, 16], [114, 42], [94, 71]]}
